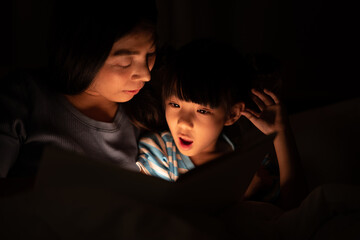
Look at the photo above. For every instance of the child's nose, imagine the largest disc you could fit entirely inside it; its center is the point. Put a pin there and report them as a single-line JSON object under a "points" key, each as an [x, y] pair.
{"points": [[185, 120]]}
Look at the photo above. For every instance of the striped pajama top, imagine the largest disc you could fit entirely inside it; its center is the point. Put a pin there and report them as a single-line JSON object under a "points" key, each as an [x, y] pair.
{"points": [[159, 156]]}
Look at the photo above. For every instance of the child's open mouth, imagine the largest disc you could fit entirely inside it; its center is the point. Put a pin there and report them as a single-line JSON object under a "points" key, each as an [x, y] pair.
{"points": [[186, 144]]}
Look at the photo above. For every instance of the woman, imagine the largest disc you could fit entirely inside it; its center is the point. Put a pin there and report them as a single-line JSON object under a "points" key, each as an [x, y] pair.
{"points": [[101, 56]]}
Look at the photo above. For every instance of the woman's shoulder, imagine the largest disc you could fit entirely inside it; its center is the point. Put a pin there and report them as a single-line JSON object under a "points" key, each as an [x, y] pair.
{"points": [[23, 83], [21, 92], [17, 89]]}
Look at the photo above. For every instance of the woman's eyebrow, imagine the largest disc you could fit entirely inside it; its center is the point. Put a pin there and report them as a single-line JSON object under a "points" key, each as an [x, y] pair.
{"points": [[121, 52]]}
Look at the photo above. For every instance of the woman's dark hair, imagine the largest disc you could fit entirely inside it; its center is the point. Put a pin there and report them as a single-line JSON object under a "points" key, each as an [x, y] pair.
{"points": [[208, 72], [83, 33]]}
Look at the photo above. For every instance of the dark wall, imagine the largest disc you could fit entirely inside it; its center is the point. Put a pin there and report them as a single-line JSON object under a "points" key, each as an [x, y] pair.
{"points": [[24, 26], [6, 39], [314, 40]]}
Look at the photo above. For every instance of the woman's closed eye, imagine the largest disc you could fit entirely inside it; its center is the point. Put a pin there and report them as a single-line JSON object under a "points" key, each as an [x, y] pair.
{"points": [[124, 62]]}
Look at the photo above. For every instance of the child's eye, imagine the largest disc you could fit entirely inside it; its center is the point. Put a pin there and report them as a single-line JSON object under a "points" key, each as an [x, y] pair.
{"points": [[174, 105], [203, 111]]}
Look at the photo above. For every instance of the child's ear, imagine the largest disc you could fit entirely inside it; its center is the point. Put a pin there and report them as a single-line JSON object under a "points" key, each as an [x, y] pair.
{"points": [[235, 113]]}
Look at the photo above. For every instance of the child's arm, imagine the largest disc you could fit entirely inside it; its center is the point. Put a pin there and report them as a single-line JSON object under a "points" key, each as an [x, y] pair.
{"points": [[153, 159], [273, 119]]}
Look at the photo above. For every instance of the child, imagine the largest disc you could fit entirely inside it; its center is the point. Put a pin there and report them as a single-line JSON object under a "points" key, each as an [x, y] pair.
{"points": [[206, 89]]}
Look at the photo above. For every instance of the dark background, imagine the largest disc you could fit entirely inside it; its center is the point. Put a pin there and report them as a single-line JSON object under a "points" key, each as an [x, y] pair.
{"points": [[315, 41]]}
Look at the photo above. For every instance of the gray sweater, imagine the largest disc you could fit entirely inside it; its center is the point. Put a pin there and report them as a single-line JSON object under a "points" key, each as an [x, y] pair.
{"points": [[33, 117]]}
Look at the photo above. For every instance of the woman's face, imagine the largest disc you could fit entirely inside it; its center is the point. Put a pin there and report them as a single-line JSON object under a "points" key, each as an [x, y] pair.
{"points": [[127, 67]]}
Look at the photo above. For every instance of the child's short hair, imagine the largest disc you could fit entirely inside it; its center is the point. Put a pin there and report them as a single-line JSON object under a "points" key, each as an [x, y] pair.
{"points": [[208, 72]]}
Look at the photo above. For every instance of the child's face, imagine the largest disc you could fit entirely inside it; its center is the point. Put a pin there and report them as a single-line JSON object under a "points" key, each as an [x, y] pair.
{"points": [[195, 128], [127, 67]]}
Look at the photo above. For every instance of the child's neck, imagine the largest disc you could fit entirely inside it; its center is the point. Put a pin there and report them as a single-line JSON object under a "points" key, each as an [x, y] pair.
{"points": [[220, 149]]}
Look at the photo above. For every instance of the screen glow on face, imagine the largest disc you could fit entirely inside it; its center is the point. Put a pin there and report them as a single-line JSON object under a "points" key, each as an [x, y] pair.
{"points": [[195, 127], [127, 68]]}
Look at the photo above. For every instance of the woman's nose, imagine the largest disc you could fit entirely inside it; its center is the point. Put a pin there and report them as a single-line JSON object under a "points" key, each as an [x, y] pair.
{"points": [[141, 72]]}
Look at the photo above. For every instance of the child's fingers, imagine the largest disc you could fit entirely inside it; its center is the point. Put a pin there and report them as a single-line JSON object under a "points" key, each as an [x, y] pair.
{"points": [[263, 96], [272, 95], [258, 102], [248, 113], [256, 114]]}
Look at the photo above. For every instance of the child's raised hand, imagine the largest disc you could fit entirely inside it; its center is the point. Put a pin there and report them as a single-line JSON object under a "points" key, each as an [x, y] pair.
{"points": [[271, 118]]}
